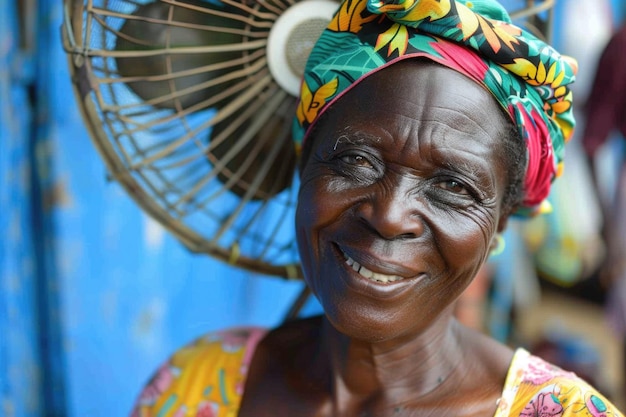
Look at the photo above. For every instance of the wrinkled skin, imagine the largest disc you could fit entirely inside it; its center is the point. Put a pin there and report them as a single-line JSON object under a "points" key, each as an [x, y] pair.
{"points": [[405, 176], [406, 179]]}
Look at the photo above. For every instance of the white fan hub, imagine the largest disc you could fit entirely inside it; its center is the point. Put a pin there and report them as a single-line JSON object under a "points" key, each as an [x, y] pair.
{"points": [[292, 38]]}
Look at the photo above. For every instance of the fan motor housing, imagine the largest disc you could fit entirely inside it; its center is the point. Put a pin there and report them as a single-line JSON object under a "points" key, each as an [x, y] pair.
{"points": [[292, 38]]}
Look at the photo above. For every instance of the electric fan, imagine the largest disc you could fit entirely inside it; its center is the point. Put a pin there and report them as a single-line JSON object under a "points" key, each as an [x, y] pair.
{"points": [[189, 103]]}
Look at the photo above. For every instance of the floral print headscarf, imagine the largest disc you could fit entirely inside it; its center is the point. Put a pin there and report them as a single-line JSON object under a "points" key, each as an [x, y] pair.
{"points": [[527, 77]]}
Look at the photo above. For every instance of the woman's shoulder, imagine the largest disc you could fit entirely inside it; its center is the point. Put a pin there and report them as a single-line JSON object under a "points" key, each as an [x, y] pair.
{"points": [[535, 387], [208, 373]]}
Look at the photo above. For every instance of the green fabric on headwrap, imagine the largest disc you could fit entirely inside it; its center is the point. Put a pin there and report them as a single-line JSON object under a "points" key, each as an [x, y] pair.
{"points": [[527, 77], [490, 9]]}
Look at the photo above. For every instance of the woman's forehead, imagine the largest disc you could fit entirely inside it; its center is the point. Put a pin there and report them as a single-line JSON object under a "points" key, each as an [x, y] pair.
{"points": [[416, 91]]}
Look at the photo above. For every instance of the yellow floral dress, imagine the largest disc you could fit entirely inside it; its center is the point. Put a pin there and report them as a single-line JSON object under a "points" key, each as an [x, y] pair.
{"points": [[206, 379], [537, 388]]}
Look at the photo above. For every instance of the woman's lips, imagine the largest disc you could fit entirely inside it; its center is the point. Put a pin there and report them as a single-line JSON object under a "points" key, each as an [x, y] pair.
{"points": [[376, 271], [366, 273], [380, 279]]}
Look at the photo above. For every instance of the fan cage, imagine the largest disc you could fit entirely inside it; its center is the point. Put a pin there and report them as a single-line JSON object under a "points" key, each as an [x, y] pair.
{"points": [[174, 152], [162, 154]]}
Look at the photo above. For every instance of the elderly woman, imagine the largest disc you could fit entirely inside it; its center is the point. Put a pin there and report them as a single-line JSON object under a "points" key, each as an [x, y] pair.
{"points": [[424, 126]]}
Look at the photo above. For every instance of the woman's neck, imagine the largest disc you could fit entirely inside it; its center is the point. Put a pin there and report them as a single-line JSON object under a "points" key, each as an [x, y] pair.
{"points": [[393, 372], [309, 368]]}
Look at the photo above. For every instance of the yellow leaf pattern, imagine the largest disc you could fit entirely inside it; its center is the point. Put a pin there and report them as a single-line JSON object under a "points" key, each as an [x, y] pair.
{"points": [[349, 17], [507, 34], [397, 37], [469, 21], [536, 74], [433, 9], [490, 35], [523, 68], [311, 102], [495, 32]]}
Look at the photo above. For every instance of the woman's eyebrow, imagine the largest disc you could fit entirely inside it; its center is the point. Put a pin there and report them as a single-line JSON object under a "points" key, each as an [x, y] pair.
{"points": [[355, 137], [475, 170]]}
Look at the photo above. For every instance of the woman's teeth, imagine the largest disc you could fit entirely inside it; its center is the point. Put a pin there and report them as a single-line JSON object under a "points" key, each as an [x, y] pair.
{"points": [[374, 276]]}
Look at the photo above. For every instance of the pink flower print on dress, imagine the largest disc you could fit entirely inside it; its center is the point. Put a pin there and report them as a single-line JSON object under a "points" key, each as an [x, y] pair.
{"points": [[544, 404], [240, 387], [160, 382], [233, 340], [254, 337], [207, 409], [539, 371], [181, 412]]}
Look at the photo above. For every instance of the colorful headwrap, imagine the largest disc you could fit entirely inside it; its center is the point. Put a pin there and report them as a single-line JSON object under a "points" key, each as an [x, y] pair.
{"points": [[527, 77]]}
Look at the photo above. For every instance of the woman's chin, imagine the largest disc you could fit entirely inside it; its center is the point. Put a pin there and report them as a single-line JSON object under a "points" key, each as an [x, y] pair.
{"points": [[372, 328]]}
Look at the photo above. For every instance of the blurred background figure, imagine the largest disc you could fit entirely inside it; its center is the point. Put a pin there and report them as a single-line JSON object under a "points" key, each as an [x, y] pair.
{"points": [[605, 112]]}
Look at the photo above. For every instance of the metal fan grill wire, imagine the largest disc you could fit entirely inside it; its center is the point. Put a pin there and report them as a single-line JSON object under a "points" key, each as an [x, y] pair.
{"points": [[203, 144], [162, 149]]}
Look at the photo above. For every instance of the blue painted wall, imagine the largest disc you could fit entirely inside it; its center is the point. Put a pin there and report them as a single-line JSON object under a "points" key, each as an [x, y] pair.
{"points": [[19, 353], [94, 294]]}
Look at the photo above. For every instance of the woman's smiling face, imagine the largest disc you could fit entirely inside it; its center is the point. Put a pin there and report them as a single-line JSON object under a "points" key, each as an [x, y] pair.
{"points": [[400, 198]]}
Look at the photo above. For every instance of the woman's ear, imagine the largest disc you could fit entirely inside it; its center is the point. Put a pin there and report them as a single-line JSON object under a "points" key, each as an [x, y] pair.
{"points": [[496, 247], [494, 242]]}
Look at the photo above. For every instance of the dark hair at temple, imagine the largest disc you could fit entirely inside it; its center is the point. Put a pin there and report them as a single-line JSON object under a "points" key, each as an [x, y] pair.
{"points": [[516, 157]]}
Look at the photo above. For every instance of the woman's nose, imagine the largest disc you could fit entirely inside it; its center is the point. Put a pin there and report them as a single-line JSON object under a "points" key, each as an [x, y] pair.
{"points": [[393, 215]]}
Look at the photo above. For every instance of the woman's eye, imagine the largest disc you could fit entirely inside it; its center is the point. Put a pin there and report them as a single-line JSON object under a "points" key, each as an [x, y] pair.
{"points": [[358, 160], [454, 186]]}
